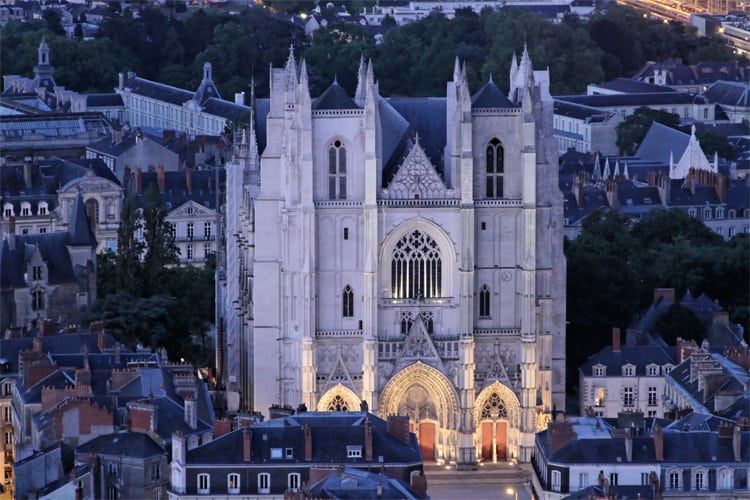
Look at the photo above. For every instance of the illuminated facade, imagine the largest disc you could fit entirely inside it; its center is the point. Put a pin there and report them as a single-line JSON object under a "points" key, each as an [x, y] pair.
{"points": [[403, 252]]}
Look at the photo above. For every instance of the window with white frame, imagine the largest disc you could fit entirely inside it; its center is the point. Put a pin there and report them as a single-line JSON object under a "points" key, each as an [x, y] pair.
{"points": [[8, 210], [25, 209], [233, 483], [692, 212], [204, 483], [652, 396], [600, 371], [43, 208], [7, 414], [42, 230], [112, 469], [189, 252], [583, 480], [293, 482], [613, 478], [653, 370], [726, 479], [628, 396], [264, 483], [556, 480], [719, 212], [190, 230], [354, 452], [645, 479], [628, 370], [207, 230], [699, 480], [730, 232], [674, 479], [416, 267], [707, 213]]}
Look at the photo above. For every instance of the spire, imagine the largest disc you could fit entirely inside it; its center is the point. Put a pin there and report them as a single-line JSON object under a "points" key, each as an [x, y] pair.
{"points": [[79, 229], [43, 53], [716, 161], [490, 81], [464, 77], [617, 168], [370, 73], [359, 95], [597, 174], [303, 78], [625, 172], [607, 174], [291, 69], [456, 70]]}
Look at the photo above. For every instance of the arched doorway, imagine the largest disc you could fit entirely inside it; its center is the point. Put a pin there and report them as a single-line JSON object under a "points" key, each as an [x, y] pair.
{"points": [[427, 397], [496, 414], [339, 398]]}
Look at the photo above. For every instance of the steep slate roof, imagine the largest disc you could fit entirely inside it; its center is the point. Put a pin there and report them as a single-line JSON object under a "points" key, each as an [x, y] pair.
{"points": [[128, 444], [490, 96], [175, 188], [156, 90], [354, 484], [729, 93], [334, 97], [102, 100], [426, 117], [632, 86], [732, 378], [79, 228], [661, 142], [579, 111], [647, 99], [638, 355], [52, 247], [331, 432]]}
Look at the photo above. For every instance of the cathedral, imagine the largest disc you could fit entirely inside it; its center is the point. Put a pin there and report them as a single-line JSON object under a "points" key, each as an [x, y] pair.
{"points": [[400, 253]]}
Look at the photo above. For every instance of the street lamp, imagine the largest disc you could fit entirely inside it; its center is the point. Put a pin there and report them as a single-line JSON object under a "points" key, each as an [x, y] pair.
{"points": [[512, 491]]}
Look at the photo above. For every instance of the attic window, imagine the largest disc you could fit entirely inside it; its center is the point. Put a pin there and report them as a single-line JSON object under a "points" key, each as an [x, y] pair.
{"points": [[190, 210], [599, 371], [354, 452], [289, 452]]}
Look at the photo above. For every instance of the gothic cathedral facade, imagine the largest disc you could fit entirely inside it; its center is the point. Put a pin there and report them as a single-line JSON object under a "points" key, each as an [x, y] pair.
{"points": [[403, 252]]}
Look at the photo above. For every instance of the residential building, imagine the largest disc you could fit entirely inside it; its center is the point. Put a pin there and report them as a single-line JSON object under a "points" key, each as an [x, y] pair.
{"points": [[278, 457], [126, 465], [700, 456], [155, 105], [625, 377], [732, 98], [48, 275], [388, 246]]}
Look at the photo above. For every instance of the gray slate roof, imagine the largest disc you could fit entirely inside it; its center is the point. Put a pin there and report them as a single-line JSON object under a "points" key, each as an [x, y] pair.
{"points": [[729, 93], [125, 444], [490, 96], [661, 141], [334, 97]]}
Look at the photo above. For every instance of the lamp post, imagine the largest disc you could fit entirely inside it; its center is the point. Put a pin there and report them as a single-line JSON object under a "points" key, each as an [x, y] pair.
{"points": [[512, 491]]}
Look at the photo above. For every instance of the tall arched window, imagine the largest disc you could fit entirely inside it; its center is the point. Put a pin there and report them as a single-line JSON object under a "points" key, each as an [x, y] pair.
{"points": [[484, 301], [348, 301], [337, 171], [416, 267], [92, 210], [495, 169]]}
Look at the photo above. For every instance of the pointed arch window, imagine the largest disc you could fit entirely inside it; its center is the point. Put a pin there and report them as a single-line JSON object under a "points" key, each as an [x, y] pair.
{"points": [[337, 171], [416, 267], [348, 301], [484, 301], [495, 169]]}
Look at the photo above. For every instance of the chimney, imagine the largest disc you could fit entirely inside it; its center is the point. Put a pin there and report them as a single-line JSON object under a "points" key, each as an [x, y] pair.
{"points": [[79, 491], [658, 443], [398, 427], [720, 318], [160, 179], [678, 348], [120, 80], [191, 411], [368, 440], [178, 447], [27, 172], [189, 180], [736, 439], [664, 294], [221, 427], [239, 98], [560, 434], [308, 443], [247, 444], [615, 339], [419, 483], [629, 444], [138, 180], [578, 191]]}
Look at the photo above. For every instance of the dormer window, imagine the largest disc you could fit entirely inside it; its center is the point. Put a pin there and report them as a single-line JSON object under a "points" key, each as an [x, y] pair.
{"points": [[692, 212], [720, 213], [652, 370], [8, 210], [600, 371], [628, 370], [353, 452], [707, 213], [25, 209], [43, 208]]}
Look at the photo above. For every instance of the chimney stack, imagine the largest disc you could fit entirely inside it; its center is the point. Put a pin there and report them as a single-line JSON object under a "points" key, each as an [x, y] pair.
{"points": [[138, 180], [27, 171], [160, 179], [629, 444], [398, 427], [191, 411], [368, 440], [178, 447], [308, 443], [658, 443], [247, 444], [664, 294], [615, 339], [736, 439], [189, 180]]}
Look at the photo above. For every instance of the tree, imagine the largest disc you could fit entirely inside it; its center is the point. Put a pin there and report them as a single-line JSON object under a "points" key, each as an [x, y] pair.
{"points": [[679, 321], [714, 143], [160, 248], [54, 21], [78, 32], [632, 130], [129, 249]]}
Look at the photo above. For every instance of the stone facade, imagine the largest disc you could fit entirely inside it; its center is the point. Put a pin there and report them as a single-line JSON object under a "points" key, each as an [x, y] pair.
{"points": [[403, 252]]}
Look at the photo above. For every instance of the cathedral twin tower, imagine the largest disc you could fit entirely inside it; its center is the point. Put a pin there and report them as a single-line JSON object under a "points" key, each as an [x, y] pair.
{"points": [[406, 252]]}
